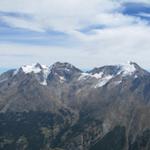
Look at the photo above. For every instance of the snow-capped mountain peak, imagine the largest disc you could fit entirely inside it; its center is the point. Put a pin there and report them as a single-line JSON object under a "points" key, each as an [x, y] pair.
{"points": [[107, 73], [35, 68], [65, 73], [30, 68], [41, 72], [128, 69]]}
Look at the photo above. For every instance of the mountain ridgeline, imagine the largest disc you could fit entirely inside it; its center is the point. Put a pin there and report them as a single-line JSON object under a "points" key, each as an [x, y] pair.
{"points": [[63, 108]]}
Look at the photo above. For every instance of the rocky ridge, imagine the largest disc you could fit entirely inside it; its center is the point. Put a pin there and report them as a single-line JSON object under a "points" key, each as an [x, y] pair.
{"points": [[62, 107]]}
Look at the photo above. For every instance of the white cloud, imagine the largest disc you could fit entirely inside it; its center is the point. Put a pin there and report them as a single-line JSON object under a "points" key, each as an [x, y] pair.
{"points": [[144, 14], [22, 23], [109, 46], [125, 38], [64, 15], [10, 55]]}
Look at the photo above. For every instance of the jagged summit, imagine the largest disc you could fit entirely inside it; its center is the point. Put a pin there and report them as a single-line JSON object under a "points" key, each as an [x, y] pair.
{"points": [[65, 72], [64, 66], [125, 69], [133, 68], [33, 68], [37, 67], [106, 74]]}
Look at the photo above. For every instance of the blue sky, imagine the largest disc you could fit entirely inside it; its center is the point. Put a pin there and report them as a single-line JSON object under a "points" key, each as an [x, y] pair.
{"points": [[86, 33]]}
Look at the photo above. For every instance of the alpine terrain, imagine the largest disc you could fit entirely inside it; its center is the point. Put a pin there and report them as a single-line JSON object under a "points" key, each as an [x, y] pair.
{"points": [[63, 108]]}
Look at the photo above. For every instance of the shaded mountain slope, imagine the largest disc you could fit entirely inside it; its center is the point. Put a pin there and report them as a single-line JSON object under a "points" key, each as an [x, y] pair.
{"points": [[61, 107]]}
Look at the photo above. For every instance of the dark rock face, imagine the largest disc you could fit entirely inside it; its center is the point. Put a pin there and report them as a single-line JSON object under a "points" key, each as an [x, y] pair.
{"points": [[62, 108], [33, 130], [65, 70], [114, 140], [141, 142]]}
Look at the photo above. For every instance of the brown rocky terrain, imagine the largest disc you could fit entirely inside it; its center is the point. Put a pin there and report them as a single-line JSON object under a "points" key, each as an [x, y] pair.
{"points": [[63, 108]]}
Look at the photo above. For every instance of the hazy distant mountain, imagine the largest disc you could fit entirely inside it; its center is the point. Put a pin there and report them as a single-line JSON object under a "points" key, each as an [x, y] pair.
{"points": [[61, 107]]}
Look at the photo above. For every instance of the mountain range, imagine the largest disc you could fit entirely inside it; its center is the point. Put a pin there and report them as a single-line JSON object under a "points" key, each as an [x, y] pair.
{"points": [[63, 108]]}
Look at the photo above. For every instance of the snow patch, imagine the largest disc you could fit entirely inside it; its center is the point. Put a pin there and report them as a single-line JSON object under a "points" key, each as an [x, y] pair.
{"points": [[84, 76], [103, 81], [117, 82], [98, 75], [62, 79], [31, 68], [43, 82], [128, 69], [46, 71], [135, 76], [15, 72], [34, 68], [66, 69]]}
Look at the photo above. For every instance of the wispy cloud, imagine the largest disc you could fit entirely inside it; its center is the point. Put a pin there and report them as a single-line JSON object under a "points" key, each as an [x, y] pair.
{"points": [[84, 32], [58, 15]]}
